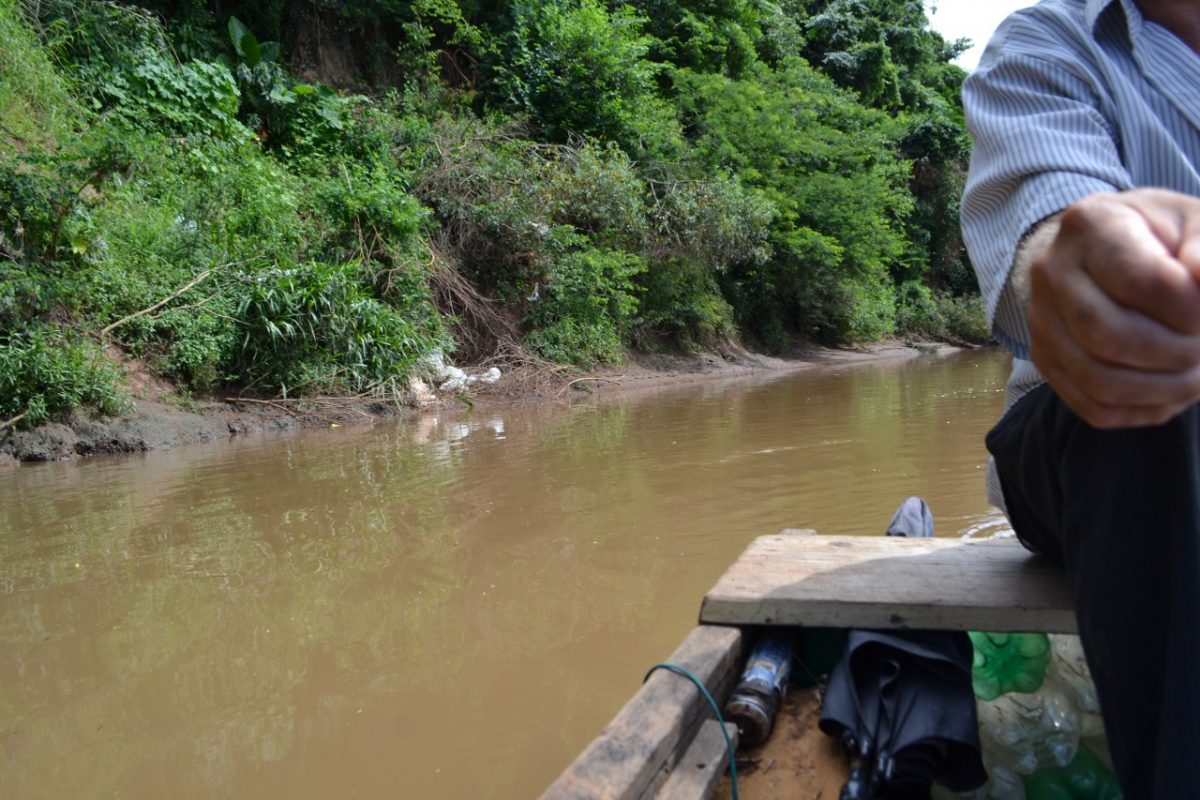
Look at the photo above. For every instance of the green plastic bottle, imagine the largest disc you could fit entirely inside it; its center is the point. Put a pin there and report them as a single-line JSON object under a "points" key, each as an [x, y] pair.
{"points": [[1085, 778], [1008, 662]]}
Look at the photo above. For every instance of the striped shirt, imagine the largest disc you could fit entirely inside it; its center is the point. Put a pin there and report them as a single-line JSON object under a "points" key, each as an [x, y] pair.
{"points": [[1071, 97]]}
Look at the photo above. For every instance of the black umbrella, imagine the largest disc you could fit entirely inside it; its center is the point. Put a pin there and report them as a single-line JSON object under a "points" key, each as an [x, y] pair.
{"points": [[902, 702]]}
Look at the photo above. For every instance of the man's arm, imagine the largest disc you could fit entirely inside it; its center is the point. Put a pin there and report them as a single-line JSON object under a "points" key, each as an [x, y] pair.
{"points": [[1038, 239], [1114, 305]]}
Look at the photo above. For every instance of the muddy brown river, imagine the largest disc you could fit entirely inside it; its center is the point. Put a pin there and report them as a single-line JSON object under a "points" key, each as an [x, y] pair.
{"points": [[441, 608]]}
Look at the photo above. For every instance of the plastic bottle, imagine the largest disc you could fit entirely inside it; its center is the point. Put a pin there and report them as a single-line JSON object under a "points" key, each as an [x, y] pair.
{"points": [[1069, 670], [755, 700], [1043, 744], [1069, 667], [1085, 778], [1025, 732], [1008, 662]]}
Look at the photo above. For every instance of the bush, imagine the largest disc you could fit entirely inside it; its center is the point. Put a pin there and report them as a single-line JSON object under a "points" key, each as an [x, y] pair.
{"points": [[316, 327], [681, 299], [701, 230], [940, 315], [186, 222], [185, 214], [585, 344], [965, 317], [193, 99], [30, 202], [510, 206], [362, 211], [589, 302], [47, 371], [917, 311], [512, 210]]}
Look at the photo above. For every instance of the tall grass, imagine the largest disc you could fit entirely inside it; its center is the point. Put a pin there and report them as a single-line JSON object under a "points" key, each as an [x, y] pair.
{"points": [[36, 106]]}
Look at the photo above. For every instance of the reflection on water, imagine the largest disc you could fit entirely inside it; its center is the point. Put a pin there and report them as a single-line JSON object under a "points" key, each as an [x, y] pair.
{"points": [[449, 607]]}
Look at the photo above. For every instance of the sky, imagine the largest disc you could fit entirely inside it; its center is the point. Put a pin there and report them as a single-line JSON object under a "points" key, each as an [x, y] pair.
{"points": [[973, 19]]}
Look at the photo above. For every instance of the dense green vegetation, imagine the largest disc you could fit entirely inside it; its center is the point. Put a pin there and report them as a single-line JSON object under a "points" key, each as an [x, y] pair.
{"points": [[309, 198]]}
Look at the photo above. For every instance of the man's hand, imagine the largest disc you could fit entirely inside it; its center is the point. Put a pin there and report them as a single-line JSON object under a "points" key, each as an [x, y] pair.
{"points": [[1114, 307]]}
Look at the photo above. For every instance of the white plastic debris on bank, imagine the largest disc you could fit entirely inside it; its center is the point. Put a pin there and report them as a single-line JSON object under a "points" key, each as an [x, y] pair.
{"points": [[420, 392], [449, 378]]}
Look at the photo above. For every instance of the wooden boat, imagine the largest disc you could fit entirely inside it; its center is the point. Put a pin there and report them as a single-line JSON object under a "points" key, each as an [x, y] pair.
{"points": [[665, 742]]}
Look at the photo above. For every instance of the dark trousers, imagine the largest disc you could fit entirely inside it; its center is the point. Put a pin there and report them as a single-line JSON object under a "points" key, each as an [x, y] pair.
{"points": [[1120, 510]]}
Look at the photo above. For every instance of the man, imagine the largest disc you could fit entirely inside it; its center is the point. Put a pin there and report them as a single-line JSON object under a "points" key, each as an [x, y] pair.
{"points": [[1082, 216]]}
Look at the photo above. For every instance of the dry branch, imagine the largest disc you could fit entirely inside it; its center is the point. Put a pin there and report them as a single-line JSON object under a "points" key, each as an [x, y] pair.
{"points": [[8, 423], [595, 378], [334, 403], [199, 278], [178, 292], [273, 403]]}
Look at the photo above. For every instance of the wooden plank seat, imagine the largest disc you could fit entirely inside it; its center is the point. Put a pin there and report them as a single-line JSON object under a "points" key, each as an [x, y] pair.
{"points": [[797, 578], [891, 582]]}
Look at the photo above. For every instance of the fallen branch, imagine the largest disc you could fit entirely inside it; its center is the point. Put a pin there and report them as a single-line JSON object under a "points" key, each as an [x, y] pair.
{"points": [[569, 384], [335, 403], [276, 403], [201, 277], [11, 422], [342, 403], [277, 400]]}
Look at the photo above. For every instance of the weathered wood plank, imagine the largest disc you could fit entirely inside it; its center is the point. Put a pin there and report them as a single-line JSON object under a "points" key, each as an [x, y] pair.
{"points": [[890, 582], [696, 775], [635, 753]]}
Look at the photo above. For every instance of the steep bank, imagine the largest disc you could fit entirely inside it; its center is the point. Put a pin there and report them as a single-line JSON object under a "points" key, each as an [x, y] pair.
{"points": [[162, 418], [175, 185]]}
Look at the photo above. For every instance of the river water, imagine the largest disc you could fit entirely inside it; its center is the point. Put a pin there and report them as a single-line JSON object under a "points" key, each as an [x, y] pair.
{"points": [[441, 608]]}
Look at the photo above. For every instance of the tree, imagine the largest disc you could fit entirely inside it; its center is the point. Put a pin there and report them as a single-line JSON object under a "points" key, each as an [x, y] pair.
{"points": [[576, 68]]}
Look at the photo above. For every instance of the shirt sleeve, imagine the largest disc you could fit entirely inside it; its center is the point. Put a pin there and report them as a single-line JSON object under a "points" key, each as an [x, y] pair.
{"points": [[1040, 142]]}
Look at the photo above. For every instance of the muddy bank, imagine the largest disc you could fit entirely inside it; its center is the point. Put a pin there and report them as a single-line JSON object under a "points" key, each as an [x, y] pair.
{"points": [[160, 420], [153, 424], [653, 371]]}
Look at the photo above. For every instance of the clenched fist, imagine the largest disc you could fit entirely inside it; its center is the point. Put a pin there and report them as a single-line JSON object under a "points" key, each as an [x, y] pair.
{"points": [[1114, 307]]}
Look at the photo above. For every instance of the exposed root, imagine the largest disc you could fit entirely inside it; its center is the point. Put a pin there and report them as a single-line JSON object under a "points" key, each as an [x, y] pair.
{"points": [[486, 336], [480, 328]]}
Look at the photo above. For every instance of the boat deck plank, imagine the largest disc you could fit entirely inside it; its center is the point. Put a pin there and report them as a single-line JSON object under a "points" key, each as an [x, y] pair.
{"points": [[635, 755], [891, 582], [701, 768]]}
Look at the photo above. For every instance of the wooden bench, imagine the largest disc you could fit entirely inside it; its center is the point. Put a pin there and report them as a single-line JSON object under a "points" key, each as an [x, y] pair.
{"points": [[890, 582], [652, 749]]}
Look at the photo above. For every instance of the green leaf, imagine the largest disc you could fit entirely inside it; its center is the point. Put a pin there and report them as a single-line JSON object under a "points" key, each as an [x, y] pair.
{"points": [[245, 42], [250, 50], [237, 32]]}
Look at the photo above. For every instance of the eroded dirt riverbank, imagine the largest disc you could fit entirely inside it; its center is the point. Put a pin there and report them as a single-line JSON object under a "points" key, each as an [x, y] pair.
{"points": [[160, 419]]}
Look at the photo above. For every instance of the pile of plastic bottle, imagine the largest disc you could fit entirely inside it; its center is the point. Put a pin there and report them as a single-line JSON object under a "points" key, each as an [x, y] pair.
{"points": [[1039, 720]]}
